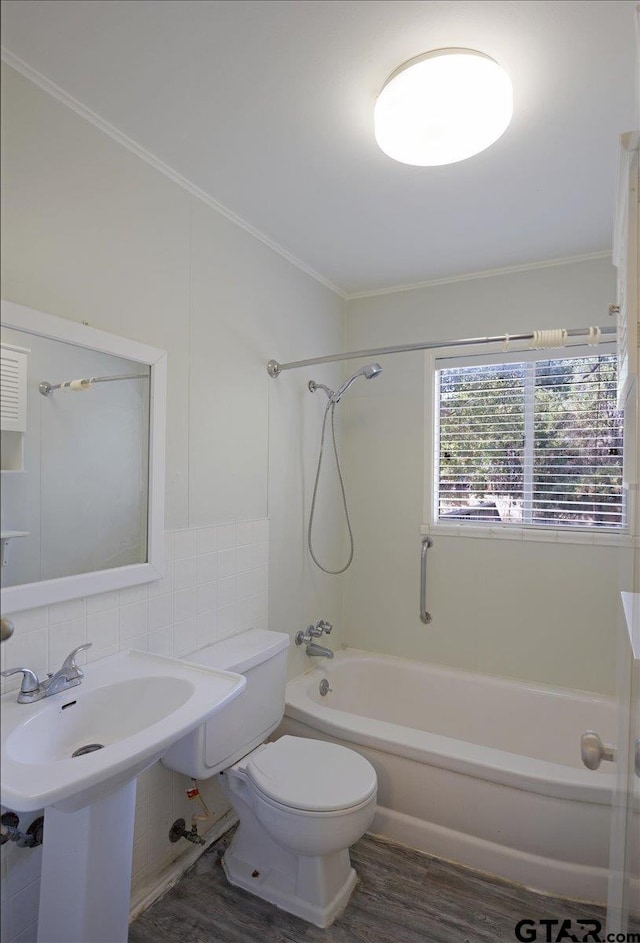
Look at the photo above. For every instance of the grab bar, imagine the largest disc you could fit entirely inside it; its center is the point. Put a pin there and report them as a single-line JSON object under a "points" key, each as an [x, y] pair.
{"points": [[424, 615]]}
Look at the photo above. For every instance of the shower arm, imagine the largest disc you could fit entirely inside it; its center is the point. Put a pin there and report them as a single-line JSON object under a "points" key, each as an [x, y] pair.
{"points": [[313, 386], [274, 368]]}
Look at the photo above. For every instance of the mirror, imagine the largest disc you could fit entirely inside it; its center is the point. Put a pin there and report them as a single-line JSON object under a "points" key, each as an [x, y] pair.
{"points": [[83, 415]]}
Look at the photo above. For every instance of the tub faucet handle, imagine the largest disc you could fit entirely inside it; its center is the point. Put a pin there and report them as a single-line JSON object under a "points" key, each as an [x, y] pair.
{"points": [[312, 631]]}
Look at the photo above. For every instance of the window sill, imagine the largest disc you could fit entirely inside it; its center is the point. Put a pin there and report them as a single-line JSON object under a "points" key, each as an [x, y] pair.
{"points": [[509, 532]]}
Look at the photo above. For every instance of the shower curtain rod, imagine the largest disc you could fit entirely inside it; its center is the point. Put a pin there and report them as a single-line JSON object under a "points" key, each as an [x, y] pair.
{"points": [[274, 369], [84, 384]]}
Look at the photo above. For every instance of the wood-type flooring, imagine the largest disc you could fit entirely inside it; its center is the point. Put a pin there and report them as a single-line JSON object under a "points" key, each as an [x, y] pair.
{"points": [[403, 896]]}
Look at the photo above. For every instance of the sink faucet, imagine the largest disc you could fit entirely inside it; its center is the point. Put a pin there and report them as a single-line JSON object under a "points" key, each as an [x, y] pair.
{"points": [[307, 636], [67, 676]]}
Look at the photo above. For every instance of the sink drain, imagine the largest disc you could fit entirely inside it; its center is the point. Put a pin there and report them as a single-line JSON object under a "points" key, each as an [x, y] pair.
{"points": [[88, 748]]}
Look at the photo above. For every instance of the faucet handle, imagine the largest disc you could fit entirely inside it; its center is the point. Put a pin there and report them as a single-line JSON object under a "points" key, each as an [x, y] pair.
{"points": [[314, 631], [324, 626], [30, 683], [69, 664]]}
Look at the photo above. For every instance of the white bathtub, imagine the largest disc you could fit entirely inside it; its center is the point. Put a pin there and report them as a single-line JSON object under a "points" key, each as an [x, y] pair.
{"points": [[472, 768]]}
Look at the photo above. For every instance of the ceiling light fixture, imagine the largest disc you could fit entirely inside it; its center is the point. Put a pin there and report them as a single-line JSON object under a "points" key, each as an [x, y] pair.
{"points": [[443, 107]]}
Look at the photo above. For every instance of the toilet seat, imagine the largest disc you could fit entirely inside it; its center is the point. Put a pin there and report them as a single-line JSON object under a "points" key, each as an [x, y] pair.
{"points": [[311, 775], [305, 814]]}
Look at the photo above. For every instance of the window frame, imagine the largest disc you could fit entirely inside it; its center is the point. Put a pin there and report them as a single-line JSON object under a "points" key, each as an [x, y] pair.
{"points": [[492, 353]]}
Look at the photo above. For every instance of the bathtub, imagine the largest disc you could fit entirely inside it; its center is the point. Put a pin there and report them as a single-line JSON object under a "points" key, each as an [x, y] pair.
{"points": [[472, 768]]}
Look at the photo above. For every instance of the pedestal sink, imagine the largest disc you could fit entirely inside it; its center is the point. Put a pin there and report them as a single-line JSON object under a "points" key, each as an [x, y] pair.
{"points": [[77, 754]]}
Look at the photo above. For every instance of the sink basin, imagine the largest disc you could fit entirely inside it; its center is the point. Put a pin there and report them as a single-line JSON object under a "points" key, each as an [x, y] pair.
{"points": [[98, 718], [75, 747]]}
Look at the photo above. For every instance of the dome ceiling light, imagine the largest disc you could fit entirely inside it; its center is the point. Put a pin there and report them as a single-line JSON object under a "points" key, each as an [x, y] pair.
{"points": [[443, 107]]}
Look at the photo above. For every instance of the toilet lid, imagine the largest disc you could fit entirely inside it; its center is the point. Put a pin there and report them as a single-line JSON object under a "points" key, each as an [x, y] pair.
{"points": [[312, 775]]}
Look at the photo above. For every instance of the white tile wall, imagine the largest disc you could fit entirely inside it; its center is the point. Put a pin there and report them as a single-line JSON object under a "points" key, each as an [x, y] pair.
{"points": [[215, 585]]}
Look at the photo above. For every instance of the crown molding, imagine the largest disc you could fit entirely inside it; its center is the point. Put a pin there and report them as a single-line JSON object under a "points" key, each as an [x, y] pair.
{"points": [[69, 101], [105, 127], [486, 273]]}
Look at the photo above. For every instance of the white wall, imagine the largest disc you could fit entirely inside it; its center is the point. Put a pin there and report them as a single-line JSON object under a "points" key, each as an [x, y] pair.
{"points": [[536, 611], [93, 233]]}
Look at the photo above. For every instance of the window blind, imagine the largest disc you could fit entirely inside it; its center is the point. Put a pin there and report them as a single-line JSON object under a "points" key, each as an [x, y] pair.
{"points": [[536, 442], [13, 389]]}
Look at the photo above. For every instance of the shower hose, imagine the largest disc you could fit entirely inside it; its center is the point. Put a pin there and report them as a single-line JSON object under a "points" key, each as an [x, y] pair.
{"points": [[330, 409]]}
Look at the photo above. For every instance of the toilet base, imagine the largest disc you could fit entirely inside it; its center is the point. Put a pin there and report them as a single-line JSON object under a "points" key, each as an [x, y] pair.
{"points": [[314, 888]]}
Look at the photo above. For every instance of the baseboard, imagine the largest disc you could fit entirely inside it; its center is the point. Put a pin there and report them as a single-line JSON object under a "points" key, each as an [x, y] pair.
{"points": [[149, 893], [544, 875]]}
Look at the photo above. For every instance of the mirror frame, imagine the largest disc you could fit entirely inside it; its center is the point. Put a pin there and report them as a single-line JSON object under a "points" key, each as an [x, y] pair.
{"points": [[46, 592]]}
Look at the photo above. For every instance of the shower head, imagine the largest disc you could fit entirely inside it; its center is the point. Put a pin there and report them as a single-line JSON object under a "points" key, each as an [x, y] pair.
{"points": [[369, 371]]}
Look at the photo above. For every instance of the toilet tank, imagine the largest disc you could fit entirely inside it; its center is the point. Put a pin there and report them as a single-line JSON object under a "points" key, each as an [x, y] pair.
{"points": [[244, 723]]}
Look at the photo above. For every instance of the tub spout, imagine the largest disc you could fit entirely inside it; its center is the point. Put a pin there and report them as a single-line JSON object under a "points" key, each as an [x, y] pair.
{"points": [[314, 649]]}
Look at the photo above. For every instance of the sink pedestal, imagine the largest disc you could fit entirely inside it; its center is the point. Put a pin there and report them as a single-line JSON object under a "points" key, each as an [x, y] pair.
{"points": [[136, 705], [86, 871]]}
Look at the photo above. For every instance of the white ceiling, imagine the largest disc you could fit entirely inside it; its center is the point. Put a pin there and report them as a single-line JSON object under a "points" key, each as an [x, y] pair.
{"points": [[267, 107]]}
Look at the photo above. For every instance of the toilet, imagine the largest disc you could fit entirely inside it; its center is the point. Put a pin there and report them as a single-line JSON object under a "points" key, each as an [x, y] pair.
{"points": [[301, 803]]}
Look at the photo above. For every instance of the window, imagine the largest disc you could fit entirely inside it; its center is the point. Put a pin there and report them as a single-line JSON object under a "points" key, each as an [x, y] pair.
{"points": [[533, 443]]}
